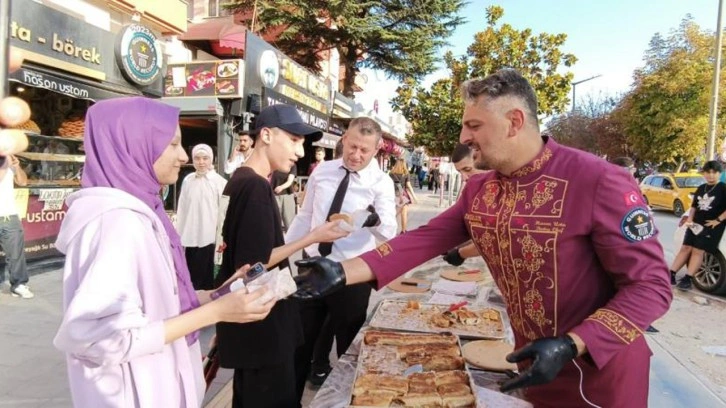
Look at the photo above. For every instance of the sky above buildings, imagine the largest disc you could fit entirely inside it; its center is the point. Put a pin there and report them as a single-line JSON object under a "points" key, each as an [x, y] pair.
{"points": [[608, 37]]}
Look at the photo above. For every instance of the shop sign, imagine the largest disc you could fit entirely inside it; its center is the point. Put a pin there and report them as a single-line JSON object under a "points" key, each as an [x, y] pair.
{"points": [[342, 106], [62, 42], [328, 141], [221, 79], [310, 116], [267, 67], [40, 225], [139, 55], [53, 83]]}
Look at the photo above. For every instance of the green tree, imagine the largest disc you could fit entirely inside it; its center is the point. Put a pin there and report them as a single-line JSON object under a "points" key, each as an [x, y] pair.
{"points": [[538, 58], [665, 116], [592, 128], [399, 37], [435, 113]]}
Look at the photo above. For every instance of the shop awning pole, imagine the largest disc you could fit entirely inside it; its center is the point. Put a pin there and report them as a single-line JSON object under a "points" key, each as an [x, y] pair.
{"points": [[4, 47]]}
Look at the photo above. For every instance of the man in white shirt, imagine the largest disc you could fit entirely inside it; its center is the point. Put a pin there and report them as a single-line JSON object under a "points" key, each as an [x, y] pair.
{"points": [[239, 155], [367, 185], [12, 237]]}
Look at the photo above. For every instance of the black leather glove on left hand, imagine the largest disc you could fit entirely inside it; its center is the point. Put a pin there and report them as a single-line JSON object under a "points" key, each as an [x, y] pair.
{"points": [[453, 257], [548, 355], [317, 277], [373, 219]]}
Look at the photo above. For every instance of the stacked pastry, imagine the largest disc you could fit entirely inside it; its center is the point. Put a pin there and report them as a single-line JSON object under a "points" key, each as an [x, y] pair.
{"points": [[29, 126], [442, 381], [72, 128]]}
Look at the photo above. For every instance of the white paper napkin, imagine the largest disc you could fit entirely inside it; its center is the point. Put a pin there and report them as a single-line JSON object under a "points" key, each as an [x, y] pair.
{"points": [[455, 288]]}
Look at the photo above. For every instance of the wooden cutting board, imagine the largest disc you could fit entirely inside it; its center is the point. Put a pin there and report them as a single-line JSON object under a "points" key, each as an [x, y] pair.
{"points": [[488, 355], [398, 286], [455, 275]]}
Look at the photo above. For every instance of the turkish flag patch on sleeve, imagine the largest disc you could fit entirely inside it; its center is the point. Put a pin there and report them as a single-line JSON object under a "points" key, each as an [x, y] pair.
{"points": [[632, 198]]}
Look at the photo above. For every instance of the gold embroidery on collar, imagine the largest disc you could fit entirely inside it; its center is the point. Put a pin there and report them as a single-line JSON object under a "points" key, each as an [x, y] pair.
{"points": [[535, 165], [623, 328]]}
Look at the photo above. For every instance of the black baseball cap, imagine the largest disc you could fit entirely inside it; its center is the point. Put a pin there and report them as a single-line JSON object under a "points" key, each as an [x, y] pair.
{"points": [[287, 118]]}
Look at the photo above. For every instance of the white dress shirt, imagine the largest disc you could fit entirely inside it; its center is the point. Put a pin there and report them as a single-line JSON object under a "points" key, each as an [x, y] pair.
{"points": [[198, 208], [366, 187], [238, 160]]}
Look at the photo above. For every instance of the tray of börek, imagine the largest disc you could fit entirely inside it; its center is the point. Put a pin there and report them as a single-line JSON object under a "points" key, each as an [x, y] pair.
{"points": [[472, 322], [399, 369]]}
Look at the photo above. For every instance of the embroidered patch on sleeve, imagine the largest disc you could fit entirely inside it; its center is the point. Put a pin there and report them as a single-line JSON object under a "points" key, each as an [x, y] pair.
{"points": [[637, 225], [632, 198], [384, 249]]}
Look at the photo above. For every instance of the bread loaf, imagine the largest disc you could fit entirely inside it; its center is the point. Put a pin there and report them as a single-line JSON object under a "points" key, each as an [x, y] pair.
{"points": [[341, 217]]}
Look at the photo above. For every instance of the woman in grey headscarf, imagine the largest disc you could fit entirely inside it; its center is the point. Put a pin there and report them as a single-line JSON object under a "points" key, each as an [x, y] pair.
{"points": [[199, 201]]}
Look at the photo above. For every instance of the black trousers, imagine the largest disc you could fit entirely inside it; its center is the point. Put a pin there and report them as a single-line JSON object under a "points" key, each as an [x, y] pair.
{"points": [[323, 345], [347, 310], [266, 387], [201, 266]]}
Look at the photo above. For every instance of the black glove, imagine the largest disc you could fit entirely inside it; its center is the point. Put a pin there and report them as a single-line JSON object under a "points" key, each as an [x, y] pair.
{"points": [[548, 355], [453, 257], [317, 277], [373, 219]]}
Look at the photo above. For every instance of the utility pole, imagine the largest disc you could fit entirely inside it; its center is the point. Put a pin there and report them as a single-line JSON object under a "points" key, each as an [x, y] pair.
{"points": [[713, 115], [574, 84]]}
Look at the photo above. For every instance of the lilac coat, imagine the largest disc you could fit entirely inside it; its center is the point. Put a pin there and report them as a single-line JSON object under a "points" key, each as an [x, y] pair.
{"points": [[119, 286]]}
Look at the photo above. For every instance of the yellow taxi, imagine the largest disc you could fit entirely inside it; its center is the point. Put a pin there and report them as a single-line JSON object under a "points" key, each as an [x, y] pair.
{"points": [[671, 191]]}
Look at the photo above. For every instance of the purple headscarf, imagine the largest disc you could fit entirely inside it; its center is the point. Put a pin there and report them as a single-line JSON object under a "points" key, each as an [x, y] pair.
{"points": [[123, 139]]}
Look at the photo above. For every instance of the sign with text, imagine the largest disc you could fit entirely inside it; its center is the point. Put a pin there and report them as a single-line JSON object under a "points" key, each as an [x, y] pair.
{"points": [[56, 84], [52, 38], [310, 116], [40, 224], [221, 79], [267, 67]]}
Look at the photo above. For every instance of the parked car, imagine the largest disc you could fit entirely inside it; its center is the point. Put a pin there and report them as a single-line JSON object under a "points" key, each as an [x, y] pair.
{"points": [[671, 191], [711, 277]]}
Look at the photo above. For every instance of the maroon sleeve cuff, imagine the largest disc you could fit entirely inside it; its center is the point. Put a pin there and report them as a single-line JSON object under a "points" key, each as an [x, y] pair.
{"points": [[605, 332]]}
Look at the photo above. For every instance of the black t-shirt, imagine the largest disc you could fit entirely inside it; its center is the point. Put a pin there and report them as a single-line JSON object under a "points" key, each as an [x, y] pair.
{"points": [[280, 177], [709, 202], [251, 230]]}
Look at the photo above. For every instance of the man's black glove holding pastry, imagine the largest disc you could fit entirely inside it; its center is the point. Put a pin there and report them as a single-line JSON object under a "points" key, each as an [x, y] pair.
{"points": [[317, 277]]}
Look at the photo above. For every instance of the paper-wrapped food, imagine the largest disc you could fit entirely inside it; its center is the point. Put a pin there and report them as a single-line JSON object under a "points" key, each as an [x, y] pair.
{"points": [[279, 284]]}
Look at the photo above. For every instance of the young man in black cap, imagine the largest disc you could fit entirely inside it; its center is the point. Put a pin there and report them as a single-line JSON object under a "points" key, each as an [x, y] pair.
{"points": [[262, 353]]}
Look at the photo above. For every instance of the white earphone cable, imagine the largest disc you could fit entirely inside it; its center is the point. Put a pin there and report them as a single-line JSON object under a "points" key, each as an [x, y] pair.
{"points": [[582, 393]]}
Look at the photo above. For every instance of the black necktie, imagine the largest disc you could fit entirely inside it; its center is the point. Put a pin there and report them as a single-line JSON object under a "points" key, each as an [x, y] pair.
{"points": [[326, 248]]}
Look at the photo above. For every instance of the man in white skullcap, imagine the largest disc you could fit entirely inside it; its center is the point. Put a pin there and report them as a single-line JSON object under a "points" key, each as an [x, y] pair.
{"points": [[197, 214]]}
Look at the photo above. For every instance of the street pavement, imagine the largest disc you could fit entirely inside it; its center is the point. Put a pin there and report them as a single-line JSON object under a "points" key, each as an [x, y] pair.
{"points": [[32, 371]]}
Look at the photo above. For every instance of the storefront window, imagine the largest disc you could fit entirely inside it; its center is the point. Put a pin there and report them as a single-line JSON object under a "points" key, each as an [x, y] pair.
{"points": [[216, 9]]}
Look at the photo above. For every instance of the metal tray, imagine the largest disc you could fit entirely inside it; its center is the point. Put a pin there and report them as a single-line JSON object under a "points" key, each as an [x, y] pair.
{"points": [[394, 315], [382, 359]]}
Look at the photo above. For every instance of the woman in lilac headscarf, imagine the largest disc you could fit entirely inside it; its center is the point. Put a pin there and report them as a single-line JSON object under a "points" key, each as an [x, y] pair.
{"points": [[131, 316]]}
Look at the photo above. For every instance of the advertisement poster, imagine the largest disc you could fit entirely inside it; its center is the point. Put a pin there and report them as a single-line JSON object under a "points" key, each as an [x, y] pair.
{"points": [[221, 79]]}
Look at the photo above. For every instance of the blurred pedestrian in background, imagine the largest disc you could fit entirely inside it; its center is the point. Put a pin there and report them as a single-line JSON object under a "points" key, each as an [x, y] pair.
{"points": [[404, 192]]}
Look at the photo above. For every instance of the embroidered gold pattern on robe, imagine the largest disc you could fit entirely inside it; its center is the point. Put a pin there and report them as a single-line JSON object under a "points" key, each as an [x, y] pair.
{"points": [[622, 327], [519, 246], [536, 164]]}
